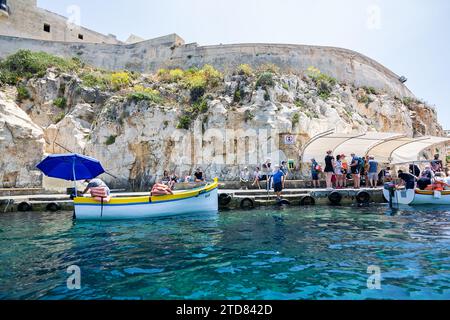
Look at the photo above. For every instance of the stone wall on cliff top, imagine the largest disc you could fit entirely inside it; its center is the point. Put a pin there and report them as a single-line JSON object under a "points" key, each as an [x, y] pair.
{"points": [[170, 51], [137, 140]]}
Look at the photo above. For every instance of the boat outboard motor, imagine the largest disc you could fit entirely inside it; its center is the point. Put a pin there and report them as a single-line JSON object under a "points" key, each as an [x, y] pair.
{"points": [[391, 188]]}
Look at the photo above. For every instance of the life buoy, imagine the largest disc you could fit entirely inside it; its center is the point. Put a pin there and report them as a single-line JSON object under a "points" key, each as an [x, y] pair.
{"points": [[24, 207], [335, 197], [224, 199], [307, 201], [53, 207], [363, 197], [247, 203]]}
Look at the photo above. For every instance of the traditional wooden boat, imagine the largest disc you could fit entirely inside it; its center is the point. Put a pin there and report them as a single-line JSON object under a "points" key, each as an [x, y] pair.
{"points": [[417, 197], [199, 200]]}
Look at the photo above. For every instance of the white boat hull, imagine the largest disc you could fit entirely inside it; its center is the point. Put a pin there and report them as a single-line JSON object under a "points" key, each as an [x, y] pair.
{"points": [[418, 197], [205, 201]]}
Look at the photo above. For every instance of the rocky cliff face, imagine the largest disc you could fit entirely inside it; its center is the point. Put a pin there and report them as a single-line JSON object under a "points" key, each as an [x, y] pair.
{"points": [[153, 124], [21, 144]]}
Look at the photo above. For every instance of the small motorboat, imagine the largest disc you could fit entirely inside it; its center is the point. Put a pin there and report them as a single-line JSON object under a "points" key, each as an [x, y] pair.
{"points": [[199, 200], [415, 196]]}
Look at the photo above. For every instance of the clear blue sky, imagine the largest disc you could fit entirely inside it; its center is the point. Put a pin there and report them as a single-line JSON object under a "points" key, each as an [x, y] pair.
{"points": [[411, 37]]}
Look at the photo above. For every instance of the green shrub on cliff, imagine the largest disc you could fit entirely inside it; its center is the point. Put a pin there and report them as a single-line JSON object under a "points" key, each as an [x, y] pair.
{"points": [[110, 140], [140, 93], [323, 82], [317, 76], [206, 76], [407, 101], [269, 67], [22, 93], [60, 102], [238, 95], [200, 106], [120, 80], [95, 79], [365, 99], [370, 90], [244, 70], [195, 79], [265, 80], [59, 117], [248, 116], [295, 119], [184, 122], [170, 76], [299, 103], [25, 64]]}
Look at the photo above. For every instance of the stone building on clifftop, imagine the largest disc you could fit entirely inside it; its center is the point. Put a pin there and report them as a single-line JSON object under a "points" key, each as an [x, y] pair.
{"points": [[23, 18], [25, 26]]}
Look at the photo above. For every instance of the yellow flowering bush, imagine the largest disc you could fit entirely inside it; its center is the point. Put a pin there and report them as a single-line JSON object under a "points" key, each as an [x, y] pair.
{"points": [[120, 80], [245, 70]]}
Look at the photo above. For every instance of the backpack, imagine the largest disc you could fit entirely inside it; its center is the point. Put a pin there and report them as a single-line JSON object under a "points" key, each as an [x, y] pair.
{"points": [[361, 163]]}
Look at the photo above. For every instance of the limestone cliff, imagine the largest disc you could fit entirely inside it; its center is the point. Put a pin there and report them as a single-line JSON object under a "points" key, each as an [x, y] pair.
{"points": [[151, 123]]}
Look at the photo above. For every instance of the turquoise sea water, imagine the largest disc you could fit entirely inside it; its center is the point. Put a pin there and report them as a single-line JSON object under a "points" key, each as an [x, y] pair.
{"points": [[297, 253]]}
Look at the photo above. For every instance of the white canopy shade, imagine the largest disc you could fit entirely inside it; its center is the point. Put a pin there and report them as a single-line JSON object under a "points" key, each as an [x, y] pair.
{"points": [[361, 145], [392, 148], [412, 151]]}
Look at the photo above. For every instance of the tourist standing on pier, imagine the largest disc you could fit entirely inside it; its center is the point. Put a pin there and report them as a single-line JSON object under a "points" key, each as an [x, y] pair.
{"points": [[355, 168], [372, 173], [315, 170], [344, 170], [267, 172], [278, 179], [365, 170], [339, 173], [329, 169], [385, 175]]}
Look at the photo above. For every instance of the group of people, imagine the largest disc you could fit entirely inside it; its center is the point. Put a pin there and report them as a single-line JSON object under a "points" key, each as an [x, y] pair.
{"points": [[275, 175], [165, 186], [338, 171], [168, 181], [432, 177]]}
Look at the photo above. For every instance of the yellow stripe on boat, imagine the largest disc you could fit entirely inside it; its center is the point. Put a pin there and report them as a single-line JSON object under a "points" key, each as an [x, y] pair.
{"points": [[430, 192], [154, 199]]}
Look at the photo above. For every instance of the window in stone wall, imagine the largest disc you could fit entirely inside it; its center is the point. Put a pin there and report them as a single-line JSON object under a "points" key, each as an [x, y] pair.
{"points": [[46, 27], [80, 36]]}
